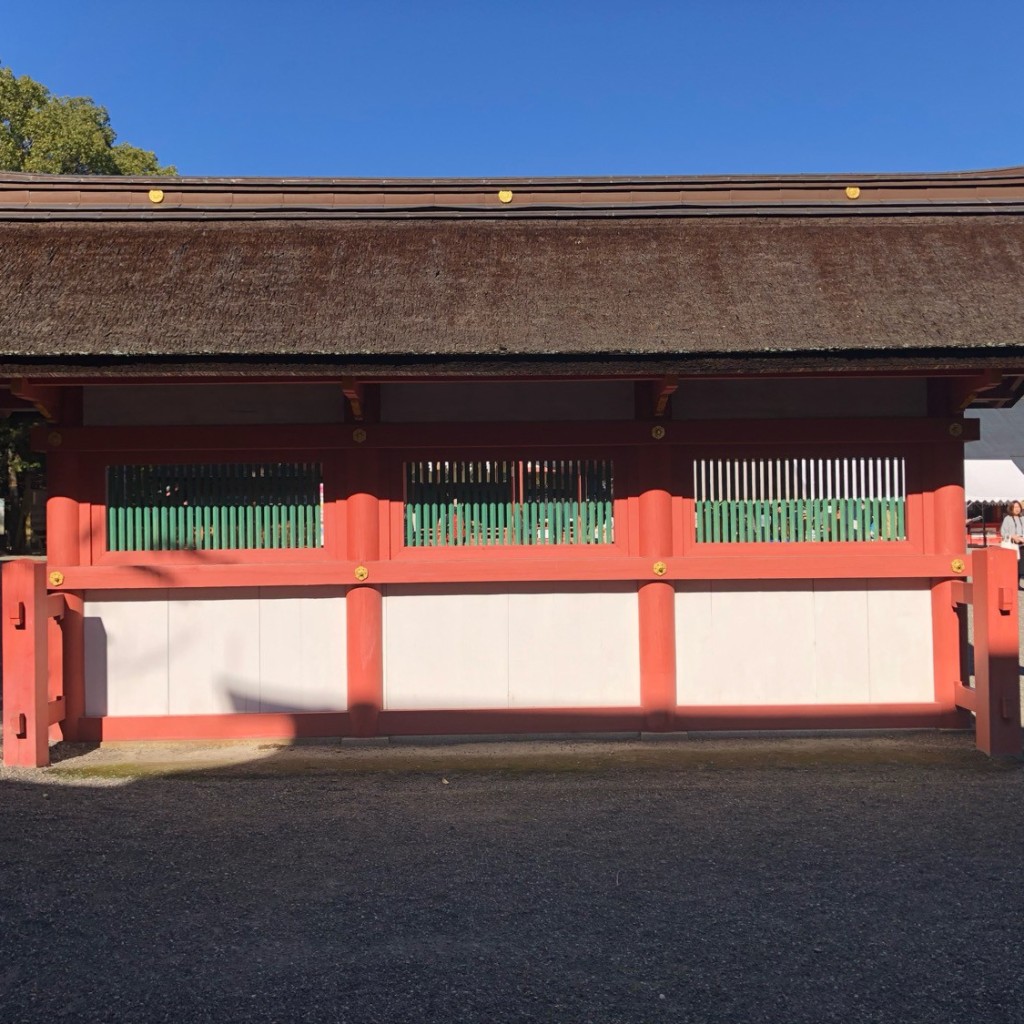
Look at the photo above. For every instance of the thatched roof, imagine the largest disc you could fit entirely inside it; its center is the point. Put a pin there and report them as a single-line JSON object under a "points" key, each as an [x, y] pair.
{"points": [[472, 287], [94, 274]]}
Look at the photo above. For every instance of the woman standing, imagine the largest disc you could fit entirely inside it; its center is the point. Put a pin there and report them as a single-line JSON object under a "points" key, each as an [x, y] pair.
{"points": [[1012, 533]]}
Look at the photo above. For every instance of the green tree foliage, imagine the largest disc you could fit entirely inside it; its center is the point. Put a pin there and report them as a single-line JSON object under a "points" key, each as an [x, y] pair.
{"points": [[46, 134], [20, 485]]}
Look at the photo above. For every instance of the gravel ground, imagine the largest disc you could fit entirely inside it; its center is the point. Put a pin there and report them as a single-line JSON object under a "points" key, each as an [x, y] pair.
{"points": [[784, 880]]}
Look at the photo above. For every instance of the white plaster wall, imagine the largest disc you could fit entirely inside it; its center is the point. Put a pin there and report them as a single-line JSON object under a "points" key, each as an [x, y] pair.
{"points": [[793, 642], [182, 405], [202, 652], [445, 647], [473, 646], [770, 399], [513, 401], [126, 653]]}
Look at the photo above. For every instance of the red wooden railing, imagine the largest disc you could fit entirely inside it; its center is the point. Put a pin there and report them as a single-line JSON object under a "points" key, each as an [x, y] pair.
{"points": [[35, 635]]}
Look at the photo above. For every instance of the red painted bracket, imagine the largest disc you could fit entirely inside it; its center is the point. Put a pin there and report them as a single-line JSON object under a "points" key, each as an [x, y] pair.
{"points": [[354, 394], [664, 389], [966, 390], [46, 399]]}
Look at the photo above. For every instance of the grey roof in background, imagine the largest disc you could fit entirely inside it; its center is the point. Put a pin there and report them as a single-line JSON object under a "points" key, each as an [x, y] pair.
{"points": [[1002, 434]]}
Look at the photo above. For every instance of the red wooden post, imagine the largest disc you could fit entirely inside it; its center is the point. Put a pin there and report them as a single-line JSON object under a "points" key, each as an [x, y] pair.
{"points": [[656, 598], [65, 541], [72, 634], [26, 711], [944, 479], [996, 652], [946, 652], [364, 605]]}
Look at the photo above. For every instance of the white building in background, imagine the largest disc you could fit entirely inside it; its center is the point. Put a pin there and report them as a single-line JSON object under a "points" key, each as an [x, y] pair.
{"points": [[994, 465]]}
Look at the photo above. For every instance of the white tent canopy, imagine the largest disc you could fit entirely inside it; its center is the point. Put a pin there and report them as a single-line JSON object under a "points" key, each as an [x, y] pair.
{"points": [[993, 480]]}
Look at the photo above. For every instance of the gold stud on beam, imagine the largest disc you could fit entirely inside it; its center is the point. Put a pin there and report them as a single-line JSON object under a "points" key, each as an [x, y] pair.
{"points": [[852, 192], [361, 573], [657, 433], [54, 439], [660, 568], [56, 578], [957, 565], [505, 196], [359, 435], [156, 195], [956, 429]]}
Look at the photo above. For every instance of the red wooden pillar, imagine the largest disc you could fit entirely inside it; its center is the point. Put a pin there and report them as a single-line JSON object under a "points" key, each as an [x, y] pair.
{"points": [[364, 604], [945, 480], [996, 652], [657, 597], [26, 711], [65, 541], [947, 483]]}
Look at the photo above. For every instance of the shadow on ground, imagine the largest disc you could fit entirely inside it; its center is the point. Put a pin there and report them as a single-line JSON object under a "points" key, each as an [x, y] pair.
{"points": [[868, 878]]}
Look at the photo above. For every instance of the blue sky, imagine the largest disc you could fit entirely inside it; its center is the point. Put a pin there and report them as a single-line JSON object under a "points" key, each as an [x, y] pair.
{"points": [[395, 89]]}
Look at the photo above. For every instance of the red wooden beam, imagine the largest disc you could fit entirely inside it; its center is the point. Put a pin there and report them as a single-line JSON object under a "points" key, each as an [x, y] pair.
{"points": [[518, 720], [266, 725], [818, 716], [56, 710], [172, 443], [966, 697], [466, 567]]}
